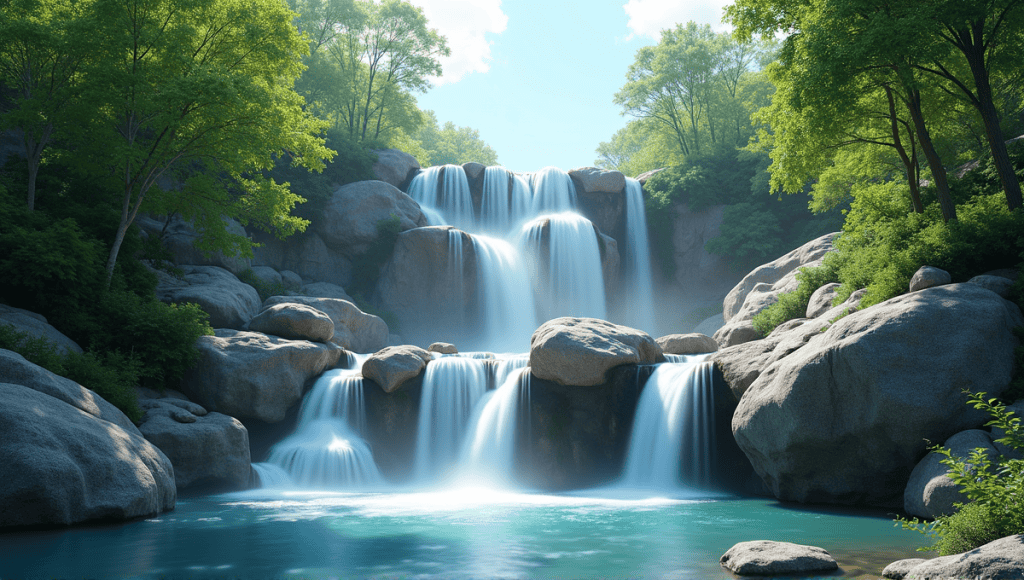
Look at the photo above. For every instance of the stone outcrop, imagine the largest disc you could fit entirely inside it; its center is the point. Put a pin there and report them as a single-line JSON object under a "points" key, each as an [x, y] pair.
{"points": [[326, 290], [229, 302], [179, 237], [821, 300], [392, 366], [395, 167], [929, 277], [579, 351], [209, 449], [998, 284], [305, 254], [252, 375], [35, 325], [694, 343], [643, 177], [1002, 559], [291, 280], [268, 276], [294, 322], [930, 492], [348, 225], [768, 558], [700, 276], [600, 194], [63, 465], [353, 329], [839, 421]]}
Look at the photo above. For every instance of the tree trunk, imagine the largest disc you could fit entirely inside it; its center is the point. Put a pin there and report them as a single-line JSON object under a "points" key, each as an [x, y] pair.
{"points": [[910, 164], [934, 162]]}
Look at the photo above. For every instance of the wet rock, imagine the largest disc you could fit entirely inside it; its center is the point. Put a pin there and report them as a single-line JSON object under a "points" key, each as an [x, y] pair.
{"points": [[579, 351], [392, 366]]}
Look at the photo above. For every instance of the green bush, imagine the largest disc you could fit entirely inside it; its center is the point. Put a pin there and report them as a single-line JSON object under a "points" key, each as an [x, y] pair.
{"points": [[995, 490], [36, 350], [793, 304]]}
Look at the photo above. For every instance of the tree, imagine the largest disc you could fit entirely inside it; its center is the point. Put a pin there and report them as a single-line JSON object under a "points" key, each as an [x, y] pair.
{"points": [[40, 57], [451, 144], [642, 145], [191, 100]]}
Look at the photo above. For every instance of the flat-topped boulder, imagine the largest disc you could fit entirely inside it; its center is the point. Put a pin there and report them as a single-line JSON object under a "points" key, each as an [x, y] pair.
{"points": [[768, 558], [392, 366], [252, 375], [844, 418], [64, 466], [693, 343], [229, 302], [596, 180], [354, 329], [579, 351], [294, 321]]}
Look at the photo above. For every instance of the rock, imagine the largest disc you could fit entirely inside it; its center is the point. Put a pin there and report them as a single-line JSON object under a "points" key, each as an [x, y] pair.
{"points": [[998, 284], [768, 558], [15, 369], [63, 465], [350, 217], [731, 334], [428, 295], [353, 329], [229, 302], [844, 418], [821, 300], [702, 277], [443, 348], [710, 325], [610, 260], [474, 171], [393, 365], [305, 254], [205, 448], [595, 180], [291, 280], [269, 276], [36, 326], [929, 277], [899, 569], [930, 492], [687, 344], [772, 272], [294, 321], [252, 375], [179, 237], [395, 167], [643, 177], [579, 351], [1002, 559], [326, 290]]}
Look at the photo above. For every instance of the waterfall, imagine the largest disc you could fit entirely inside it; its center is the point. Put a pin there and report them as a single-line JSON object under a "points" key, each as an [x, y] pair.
{"points": [[553, 191], [452, 386], [673, 436], [638, 291], [568, 278], [488, 453], [337, 393], [269, 475], [503, 287]]}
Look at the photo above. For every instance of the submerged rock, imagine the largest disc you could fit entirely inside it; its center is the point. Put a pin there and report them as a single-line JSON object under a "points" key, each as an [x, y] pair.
{"points": [[579, 351], [768, 558]]}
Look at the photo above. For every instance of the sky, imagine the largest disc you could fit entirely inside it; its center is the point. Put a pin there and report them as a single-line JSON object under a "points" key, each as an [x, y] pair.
{"points": [[537, 78]]}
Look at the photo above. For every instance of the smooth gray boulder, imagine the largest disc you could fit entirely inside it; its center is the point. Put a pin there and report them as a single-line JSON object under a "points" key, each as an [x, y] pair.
{"points": [[180, 236], [579, 351], [354, 329], [390, 367], [930, 492], [229, 302], [768, 558], [35, 325], [844, 418], [899, 569], [294, 322], [253, 375], [474, 170], [596, 180], [204, 448], [291, 280], [821, 300], [15, 369], [998, 284], [693, 343], [326, 290], [929, 277], [1002, 559], [350, 216], [443, 348], [63, 466], [269, 276], [395, 166]]}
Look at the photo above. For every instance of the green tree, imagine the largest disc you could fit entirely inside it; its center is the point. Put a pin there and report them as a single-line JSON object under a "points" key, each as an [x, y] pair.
{"points": [[640, 146], [451, 144], [191, 100]]}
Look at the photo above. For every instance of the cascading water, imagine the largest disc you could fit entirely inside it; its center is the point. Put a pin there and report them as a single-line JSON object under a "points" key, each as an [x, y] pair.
{"points": [[452, 386], [505, 201], [673, 435], [488, 452], [443, 194], [507, 309], [638, 306], [568, 278], [553, 191]]}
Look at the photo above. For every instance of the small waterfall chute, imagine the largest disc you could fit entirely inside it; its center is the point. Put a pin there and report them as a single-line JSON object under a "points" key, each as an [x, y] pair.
{"points": [[325, 453], [507, 311], [452, 387], [271, 476], [638, 306], [553, 191], [488, 454], [568, 277]]}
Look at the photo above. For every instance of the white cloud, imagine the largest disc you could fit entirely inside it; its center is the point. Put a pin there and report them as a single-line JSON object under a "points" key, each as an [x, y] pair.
{"points": [[650, 17], [465, 23]]}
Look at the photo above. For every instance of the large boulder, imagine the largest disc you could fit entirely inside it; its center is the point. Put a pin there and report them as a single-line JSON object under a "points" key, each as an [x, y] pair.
{"points": [[229, 302], [930, 492], [353, 329], [180, 236], [252, 375], [693, 343], [579, 351], [326, 290], [392, 366], [36, 326], [204, 448], [929, 277], [768, 558], [294, 321], [1001, 559], [62, 465], [304, 254], [601, 197], [350, 216], [395, 167], [845, 418]]}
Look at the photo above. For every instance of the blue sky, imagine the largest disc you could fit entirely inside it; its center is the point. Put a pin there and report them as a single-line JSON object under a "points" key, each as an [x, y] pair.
{"points": [[536, 78]]}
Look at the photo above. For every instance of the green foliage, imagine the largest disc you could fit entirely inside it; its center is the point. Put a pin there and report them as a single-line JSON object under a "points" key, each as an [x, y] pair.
{"points": [[994, 489], [451, 144], [793, 304], [264, 289], [35, 349]]}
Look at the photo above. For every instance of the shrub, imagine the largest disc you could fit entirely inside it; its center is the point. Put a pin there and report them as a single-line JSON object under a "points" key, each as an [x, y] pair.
{"points": [[995, 490], [36, 350], [793, 304]]}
